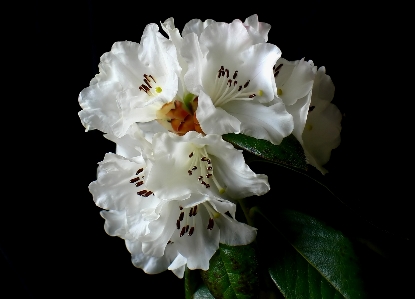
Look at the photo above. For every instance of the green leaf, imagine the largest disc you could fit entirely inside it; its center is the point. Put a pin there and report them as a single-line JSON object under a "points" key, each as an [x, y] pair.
{"points": [[192, 281], [233, 273], [312, 260], [203, 293], [288, 153]]}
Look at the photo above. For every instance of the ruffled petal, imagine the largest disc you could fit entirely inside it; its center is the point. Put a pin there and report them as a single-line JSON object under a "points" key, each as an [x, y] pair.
{"points": [[150, 264], [115, 223], [235, 233], [271, 123], [196, 26], [215, 120], [258, 29]]}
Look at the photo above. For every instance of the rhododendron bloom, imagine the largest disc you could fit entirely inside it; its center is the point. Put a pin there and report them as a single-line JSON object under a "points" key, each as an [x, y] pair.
{"points": [[134, 82]]}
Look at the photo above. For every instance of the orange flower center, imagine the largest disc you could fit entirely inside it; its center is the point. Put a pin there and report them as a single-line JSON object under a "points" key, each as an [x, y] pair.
{"points": [[178, 118]]}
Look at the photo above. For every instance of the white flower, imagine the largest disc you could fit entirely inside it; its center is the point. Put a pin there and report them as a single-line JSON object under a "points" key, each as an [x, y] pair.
{"points": [[229, 68], [322, 129], [134, 82], [169, 199]]}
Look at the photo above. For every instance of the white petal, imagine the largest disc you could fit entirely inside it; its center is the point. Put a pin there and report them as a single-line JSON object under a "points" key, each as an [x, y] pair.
{"points": [[299, 84], [233, 232], [112, 190], [323, 88], [215, 120], [260, 28], [115, 223], [322, 134], [196, 26], [271, 123], [178, 265], [192, 53], [200, 247], [132, 144], [149, 264], [299, 112], [104, 108]]}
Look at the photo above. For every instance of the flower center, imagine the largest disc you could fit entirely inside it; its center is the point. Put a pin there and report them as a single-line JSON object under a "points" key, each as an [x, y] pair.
{"points": [[188, 217], [200, 165], [178, 118], [138, 182], [228, 89], [149, 86]]}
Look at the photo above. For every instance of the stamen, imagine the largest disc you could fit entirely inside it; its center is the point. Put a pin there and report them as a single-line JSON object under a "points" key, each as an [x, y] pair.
{"points": [[139, 171], [199, 178], [252, 96], [191, 155], [148, 193], [187, 228], [235, 74], [178, 224], [194, 210], [181, 216], [194, 167], [189, 172], [246, 84], [134, 180], [180, 207], [311, 108], [142, 192], [191, 212], [138, 184], [278, 67], [192, 229], [183, 231]]}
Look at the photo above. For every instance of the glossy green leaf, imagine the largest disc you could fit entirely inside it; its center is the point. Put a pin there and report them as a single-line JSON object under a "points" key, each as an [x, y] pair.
{"points": [[288, 153], [203, 293], [233, 273], [312, 260], [192, 282]]}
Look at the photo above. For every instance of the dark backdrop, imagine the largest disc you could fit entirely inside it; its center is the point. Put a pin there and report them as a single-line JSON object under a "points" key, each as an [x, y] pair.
{"points": [[53, 243]]}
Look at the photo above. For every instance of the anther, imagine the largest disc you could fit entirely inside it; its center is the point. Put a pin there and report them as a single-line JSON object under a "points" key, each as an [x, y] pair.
{"points": [[235, 74], [180, 207], [187, 228], [134, 180], [211, 223], [204, 159], [276, 73], [208, 175], [209, 168], [191, 212], [194, 210], [191, 155], [278, 67], [199, 178], [192, 229], [139, 171], [227, 73], [208, 161], [189, 172], [181, 216], [148, 193], [194, 167], [178, 224], [252, 96], [246, 84], [240, 87], [311, 108], [141, 192], [207, 186], [147, 83], [139, 183], [235, 82], [183, 231], [229, 82], [152, 78]]}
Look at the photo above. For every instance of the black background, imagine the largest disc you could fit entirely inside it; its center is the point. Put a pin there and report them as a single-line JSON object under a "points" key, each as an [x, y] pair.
{"points": [[52, 241]]}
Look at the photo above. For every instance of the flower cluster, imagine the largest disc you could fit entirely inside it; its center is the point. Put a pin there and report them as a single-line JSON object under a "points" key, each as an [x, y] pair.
{"points": [[171, 187]]}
